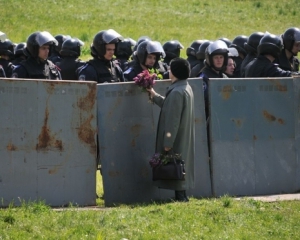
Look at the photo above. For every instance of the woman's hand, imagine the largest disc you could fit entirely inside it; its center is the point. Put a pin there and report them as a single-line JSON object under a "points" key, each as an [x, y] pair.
{"points": [[151, 92], [167, 149]]}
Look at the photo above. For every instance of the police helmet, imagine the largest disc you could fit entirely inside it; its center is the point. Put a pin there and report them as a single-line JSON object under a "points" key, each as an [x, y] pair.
{"points": [[191, 50], [290, 36], [124, 48], [7, 48], [252, 42], [19, 49], [226, 40], [60, 39], [270, 44], [103, 38], [238, 43], [149, 47], [172, 49], [200, 54], [36, 40], [140, 40], [71, 47], [218, 47]]}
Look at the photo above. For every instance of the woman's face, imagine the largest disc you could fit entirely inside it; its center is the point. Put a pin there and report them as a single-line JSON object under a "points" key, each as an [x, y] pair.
{"points": [[218, 60], [230, 67], [150, 60]]}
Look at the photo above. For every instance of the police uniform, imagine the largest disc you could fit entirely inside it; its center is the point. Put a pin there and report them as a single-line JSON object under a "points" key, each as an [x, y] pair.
{"points": [[263, 67], [287, 64], [192, 61], [33, 68], [101, 71], [7, 67], [2, 73], [197, 69], [247, 59], [68, 67]]}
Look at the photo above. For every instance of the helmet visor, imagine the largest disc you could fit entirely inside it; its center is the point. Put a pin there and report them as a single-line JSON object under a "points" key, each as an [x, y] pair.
{"points": [[110, 35], [2, 36], [155, 47], [45, 37]]}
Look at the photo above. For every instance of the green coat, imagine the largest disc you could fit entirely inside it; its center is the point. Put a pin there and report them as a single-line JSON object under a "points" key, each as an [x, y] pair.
{"points": [[176, 129]]}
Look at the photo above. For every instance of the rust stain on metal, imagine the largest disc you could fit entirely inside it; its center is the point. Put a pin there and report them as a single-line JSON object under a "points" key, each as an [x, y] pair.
{"points": [[254, 137], [50, 86], [280, 120], [114, 173], [53, 171], [11, 147], [87, 135], [238, 122], [135, 130], [86, 103], [117, 103], [226, 92], [278, 85], [46, 140], [269, 116]]}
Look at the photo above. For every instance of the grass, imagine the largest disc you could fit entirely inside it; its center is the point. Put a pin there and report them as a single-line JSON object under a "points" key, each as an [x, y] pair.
{"points": [[160, 20], [223, 218]]}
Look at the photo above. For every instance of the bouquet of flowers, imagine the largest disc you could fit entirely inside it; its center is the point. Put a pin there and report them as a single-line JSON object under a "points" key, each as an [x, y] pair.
{"points": [[146, 79], [163, 159]]}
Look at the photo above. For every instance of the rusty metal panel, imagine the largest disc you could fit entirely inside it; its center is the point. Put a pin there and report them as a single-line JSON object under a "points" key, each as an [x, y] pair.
{"points": [[48, 144], [297, 128], [252, 136], [127, 130]]}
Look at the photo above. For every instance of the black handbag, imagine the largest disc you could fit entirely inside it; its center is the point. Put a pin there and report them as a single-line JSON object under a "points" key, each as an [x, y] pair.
{"points": [[171, 170]]}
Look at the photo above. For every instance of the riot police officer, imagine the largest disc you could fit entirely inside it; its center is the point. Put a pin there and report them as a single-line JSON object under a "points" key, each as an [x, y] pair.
{"points": [[19, 54], [251, 49], [55, 56], [37, 66], [200, 54], [124, 52], [191, 52], [148, 55], [6, 53], [172, 50], [268, 49], [238, 43], [287, 59], [216, 58], [70, 51], [103, 68]]}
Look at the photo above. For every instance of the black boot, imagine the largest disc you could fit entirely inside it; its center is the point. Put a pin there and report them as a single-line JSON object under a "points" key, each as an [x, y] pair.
{"points": [[180, 196]]}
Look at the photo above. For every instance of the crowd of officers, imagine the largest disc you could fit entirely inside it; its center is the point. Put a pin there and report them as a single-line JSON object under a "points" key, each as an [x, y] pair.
{"points": [[115, 59]]}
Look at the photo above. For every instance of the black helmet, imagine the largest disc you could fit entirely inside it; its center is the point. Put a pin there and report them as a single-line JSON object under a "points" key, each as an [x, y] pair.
{"points": [[218, 47], [71, 47], [270, 44], [200, 54], [60, 39], [289, 37], [172, 49], [239, 42], [103, 38], [7, 48], [191, 50], [19, 49], [36, 40], [226, 40], [140, 40], [252, 42], [124, 48], [149, 47]]}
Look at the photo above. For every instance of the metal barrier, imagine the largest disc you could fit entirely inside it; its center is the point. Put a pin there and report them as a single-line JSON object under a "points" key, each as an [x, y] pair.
{"points": [[252, 132], [47, 144], [127, 129]]}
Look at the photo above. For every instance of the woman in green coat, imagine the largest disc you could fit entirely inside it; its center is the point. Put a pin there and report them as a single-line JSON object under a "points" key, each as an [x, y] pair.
{"points": [[176, 126]]}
